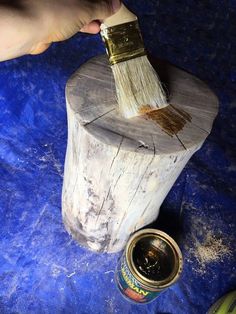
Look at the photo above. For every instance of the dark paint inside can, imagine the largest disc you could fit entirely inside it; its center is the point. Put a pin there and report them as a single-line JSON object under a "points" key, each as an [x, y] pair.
{"points": [[154, 259]]}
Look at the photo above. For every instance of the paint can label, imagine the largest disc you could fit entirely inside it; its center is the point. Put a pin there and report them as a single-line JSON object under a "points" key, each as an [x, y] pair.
{"points": [[130, 287]]}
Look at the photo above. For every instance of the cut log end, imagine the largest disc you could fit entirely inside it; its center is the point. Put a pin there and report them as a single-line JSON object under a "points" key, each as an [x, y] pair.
{"points": [[118, 171]]}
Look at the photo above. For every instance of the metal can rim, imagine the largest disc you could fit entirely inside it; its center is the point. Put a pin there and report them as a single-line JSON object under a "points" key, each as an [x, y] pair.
{"points": [[147, 283]]}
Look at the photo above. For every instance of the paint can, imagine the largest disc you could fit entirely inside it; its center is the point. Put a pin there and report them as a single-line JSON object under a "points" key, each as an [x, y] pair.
{"points": [[151, 262]]}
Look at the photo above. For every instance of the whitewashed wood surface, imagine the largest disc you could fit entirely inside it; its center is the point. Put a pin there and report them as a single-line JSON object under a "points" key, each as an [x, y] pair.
{"points": [[118, 171]]}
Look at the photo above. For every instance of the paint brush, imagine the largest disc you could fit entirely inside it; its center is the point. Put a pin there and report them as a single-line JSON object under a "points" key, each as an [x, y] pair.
{"points": [[137, 84]]}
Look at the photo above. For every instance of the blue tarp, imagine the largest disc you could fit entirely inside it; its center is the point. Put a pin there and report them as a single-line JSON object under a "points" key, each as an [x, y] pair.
{"points": [[42, 270]]}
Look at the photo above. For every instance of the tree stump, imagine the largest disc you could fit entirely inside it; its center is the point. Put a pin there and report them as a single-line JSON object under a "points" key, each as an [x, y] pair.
{"points": [[119, 171]]}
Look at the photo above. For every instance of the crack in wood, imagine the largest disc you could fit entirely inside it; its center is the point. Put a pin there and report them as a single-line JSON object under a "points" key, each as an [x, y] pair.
{"points": [[182, 113], [170, 119], [181, 142], [144, 212], [104, 114], [121, 222], [143, 145], [76, 180], [117, 133], [197, 126], [136, 190], [118, 180], [100, 210], [154, 147], [95, 78], [106, 198], [122, 139]]}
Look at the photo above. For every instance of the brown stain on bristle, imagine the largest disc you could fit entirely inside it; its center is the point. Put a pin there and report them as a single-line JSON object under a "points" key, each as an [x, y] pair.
{"points": [[171, 119]]}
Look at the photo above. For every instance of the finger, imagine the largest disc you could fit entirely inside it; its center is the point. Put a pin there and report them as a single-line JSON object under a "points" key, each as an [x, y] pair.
{"points": [[39, 48], [105, 8], [91, 28]]}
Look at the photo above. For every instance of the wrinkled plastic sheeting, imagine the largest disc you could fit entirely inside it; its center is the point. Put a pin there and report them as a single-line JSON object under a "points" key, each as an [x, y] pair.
{"points": [[42, 270]]}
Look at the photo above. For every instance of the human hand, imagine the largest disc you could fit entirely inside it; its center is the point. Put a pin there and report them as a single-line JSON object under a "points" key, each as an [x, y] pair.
{"points": [[30, 26]]}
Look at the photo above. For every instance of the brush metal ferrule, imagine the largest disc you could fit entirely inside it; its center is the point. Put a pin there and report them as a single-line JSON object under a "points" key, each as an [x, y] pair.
{"points": [[123, 42]]}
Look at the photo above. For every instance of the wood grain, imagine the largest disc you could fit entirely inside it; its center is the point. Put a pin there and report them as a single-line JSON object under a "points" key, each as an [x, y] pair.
{"points": [[118, 171]]}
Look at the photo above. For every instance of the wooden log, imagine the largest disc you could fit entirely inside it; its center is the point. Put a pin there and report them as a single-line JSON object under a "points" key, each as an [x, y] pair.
{"points": [[118, 171]]}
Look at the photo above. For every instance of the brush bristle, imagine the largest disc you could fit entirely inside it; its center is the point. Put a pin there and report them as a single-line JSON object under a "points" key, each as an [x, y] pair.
{"points": [[137, 85]]}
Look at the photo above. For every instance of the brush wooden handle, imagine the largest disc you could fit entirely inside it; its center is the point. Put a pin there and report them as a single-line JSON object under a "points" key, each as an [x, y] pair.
{"points": [[121, 17]]}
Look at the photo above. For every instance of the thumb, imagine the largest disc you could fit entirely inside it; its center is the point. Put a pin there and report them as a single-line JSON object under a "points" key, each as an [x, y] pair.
{"points": [[105, 8]]}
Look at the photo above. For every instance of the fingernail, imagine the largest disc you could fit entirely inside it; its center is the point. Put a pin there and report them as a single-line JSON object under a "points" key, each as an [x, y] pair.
{"points": [[116, 5]]}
